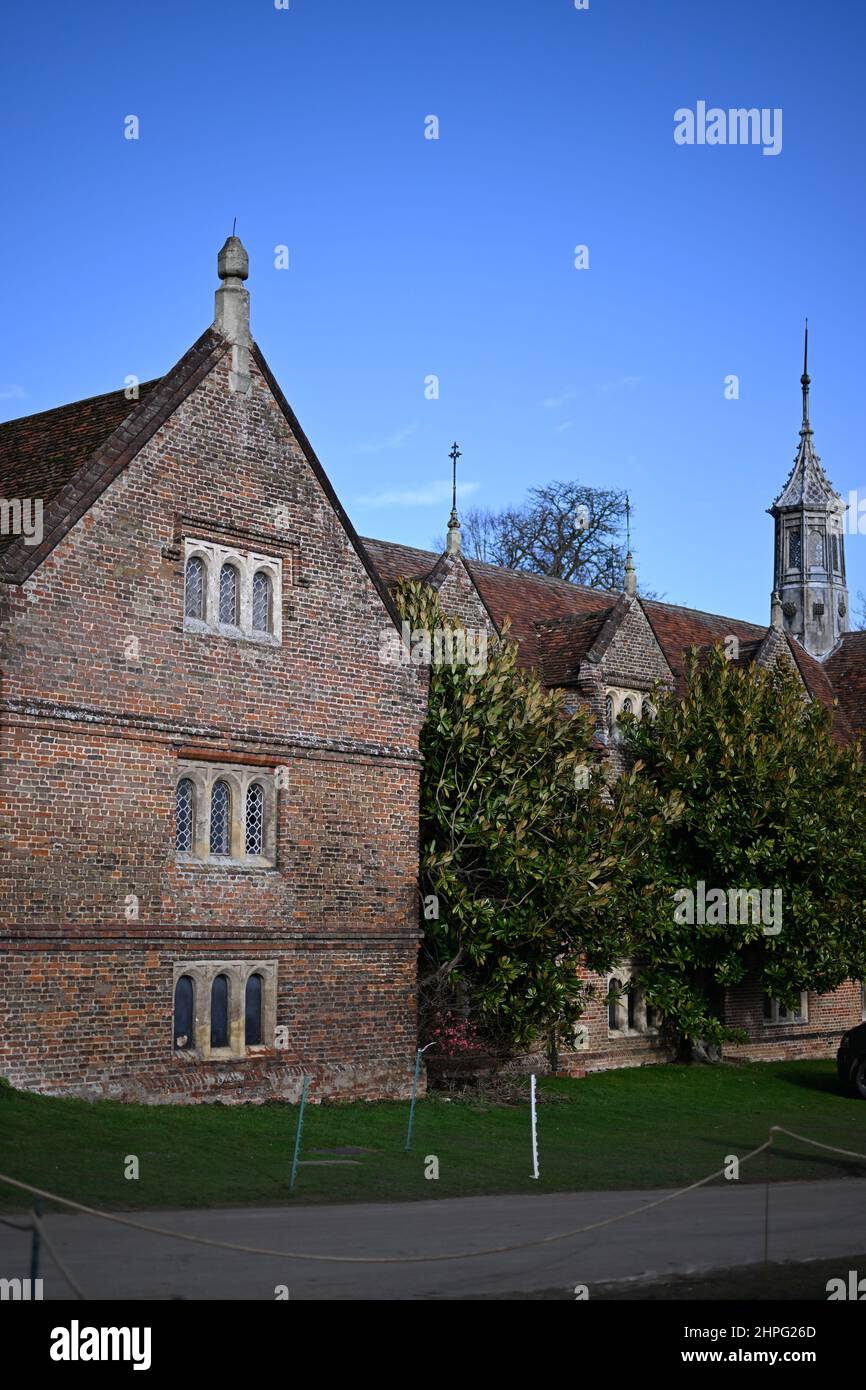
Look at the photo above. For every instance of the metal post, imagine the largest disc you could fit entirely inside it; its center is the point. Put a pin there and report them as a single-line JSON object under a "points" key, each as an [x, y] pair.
{"points": [[534, 1129], [38, 1207], [298, 1133], [414, 1093]]}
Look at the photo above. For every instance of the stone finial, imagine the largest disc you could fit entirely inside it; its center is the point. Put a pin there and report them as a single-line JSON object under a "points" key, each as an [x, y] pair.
{"points": [[232, 309], [777, 617], [629, 583]]}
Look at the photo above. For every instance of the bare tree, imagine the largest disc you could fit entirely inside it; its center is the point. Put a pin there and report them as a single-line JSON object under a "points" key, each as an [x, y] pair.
{"points": [[565, 530]]}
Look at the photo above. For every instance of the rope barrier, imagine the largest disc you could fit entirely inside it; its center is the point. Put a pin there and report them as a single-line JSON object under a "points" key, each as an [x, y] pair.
{"points": [[397, 1259]]}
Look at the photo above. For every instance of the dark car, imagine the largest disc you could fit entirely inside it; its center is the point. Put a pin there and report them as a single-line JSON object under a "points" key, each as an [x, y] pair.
{"points": [[851, 1059]]}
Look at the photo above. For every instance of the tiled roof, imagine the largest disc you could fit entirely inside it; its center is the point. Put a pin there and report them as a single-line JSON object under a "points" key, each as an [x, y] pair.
{"points": [[40, 453], [563, 644], [845, 667]]}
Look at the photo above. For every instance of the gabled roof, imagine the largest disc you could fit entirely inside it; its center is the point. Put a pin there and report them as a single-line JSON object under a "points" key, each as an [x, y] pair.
{"points": [[40, 453], [88, 458], [69, 456], [563, 644]]}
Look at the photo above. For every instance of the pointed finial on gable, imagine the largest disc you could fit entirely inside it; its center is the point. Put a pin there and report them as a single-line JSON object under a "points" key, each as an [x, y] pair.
{"points": [[453, 544], [629, 583], [232, 308]]}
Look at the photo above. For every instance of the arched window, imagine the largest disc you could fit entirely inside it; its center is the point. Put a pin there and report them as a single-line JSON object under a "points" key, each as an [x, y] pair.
{"points": [[184, 1027], [220, 818], [608, 711], [184, 820], [229, 596], [626, 705], [219, 1012], [614, 988], [261, 602], [253, 1011], [194, 590], [255, 818]]}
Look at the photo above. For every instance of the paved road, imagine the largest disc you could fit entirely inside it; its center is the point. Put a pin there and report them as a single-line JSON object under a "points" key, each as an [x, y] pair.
{"points": [[711, 1228]]}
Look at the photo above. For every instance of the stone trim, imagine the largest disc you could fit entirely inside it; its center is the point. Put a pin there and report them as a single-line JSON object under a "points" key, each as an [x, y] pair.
{"points": [[203, 776], [203, 973], [247, 564]]}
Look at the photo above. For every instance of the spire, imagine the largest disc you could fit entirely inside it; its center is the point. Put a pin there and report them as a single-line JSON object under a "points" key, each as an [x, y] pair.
{"points": [[629, 583], [232, 309], [809, 585], [453, 543]]}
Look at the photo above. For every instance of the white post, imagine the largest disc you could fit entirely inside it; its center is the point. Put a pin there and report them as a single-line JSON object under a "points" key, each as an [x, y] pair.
{"points": [[534, 1129]]}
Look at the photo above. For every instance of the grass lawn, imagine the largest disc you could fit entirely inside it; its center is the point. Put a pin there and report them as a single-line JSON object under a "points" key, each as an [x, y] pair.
{"points": [[652, 1127]]}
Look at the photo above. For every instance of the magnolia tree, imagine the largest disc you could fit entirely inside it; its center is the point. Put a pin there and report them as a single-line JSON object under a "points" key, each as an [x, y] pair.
{"points": [[761, 871], [525, 865]]}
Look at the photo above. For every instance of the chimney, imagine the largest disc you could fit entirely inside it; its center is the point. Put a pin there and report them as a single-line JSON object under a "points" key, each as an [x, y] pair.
{"points": [[232, 310]]}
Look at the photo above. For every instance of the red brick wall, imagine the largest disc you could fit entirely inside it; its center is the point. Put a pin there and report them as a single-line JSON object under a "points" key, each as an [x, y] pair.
{"points": [[90, 743]]}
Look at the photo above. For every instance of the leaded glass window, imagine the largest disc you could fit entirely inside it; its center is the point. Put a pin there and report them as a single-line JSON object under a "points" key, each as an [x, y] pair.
{"points": [[261, 602], [614, 988], [255, 818], [220, 818], [836, 554], [184, 1036], [608, 711], [794, 550], [194, 592], [219, 1012], [229, 596], [184, 816], [816, 549], [253, 1011], [626, 705]]}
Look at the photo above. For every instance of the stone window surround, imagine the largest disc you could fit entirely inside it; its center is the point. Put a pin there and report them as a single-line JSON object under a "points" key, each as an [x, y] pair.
{"points": [[624, 973], [239, 777], [203, 973], [618, 694], [247, 563], [776, 1022]]}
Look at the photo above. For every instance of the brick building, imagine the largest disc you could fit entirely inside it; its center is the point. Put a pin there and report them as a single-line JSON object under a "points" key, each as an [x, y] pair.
{"points": [[209, 868]]}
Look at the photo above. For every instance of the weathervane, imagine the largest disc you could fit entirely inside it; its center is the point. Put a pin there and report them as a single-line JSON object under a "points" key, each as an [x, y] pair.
{"points": [[454, 522], [454, 456]]}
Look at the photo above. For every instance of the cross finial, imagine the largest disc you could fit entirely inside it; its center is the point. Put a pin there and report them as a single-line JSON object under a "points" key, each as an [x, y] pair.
{"points": [[454, 523], [628, 523], [454, 456]]}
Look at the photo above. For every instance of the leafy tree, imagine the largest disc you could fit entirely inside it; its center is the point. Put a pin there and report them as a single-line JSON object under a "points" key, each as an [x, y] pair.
{"points": [[765, 799], [521, 851]]}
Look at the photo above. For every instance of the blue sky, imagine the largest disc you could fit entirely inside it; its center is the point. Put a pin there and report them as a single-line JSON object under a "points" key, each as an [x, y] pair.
{"points": [[455, 257]]}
